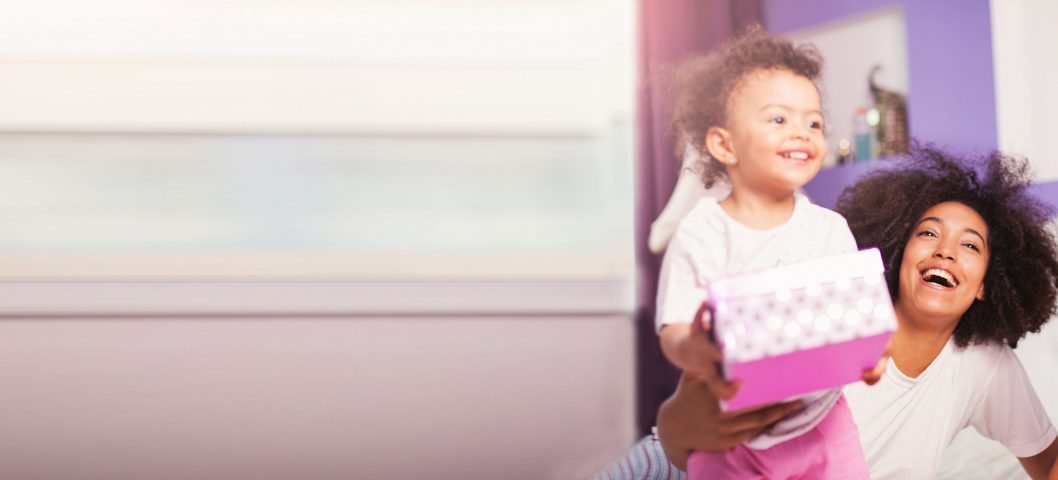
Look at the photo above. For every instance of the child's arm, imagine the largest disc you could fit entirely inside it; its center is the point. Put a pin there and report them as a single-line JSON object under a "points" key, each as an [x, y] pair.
{"points": [[680, 290], [688, 347]]}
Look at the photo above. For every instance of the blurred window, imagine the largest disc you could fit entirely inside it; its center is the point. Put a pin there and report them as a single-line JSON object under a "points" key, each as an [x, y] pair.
{"points": [[283, 138]]}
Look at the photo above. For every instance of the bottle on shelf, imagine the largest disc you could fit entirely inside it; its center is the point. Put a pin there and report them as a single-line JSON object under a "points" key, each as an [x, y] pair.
{"points": [[865, 133]]}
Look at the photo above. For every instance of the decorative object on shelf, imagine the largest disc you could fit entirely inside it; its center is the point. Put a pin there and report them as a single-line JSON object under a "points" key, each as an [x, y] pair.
{"points": [[864, 125], [892, 131], [844, 152]]}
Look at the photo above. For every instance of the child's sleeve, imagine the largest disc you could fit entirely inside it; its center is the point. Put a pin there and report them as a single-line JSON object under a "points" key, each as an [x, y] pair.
{"points": [[680, 292]]}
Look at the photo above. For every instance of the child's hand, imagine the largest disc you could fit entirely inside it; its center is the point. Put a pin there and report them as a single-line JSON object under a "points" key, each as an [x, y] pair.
{"points": [[689, 347], [871, 377], [701, 351]]}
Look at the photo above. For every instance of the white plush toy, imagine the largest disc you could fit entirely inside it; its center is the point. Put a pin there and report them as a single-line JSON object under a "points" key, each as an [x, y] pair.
{"points": [[688, 191]]}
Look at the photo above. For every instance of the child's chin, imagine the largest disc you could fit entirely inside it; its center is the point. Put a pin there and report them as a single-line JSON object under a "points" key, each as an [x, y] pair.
{"points": [[795, 184]]}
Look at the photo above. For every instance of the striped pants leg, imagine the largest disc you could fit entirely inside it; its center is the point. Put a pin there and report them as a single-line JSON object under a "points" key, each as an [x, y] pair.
{"points": [[645, 461]]}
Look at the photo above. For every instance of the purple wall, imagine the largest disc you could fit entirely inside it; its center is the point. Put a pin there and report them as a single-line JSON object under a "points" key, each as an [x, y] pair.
{"points": [[951, 93], [952, 97], [787, 16]]}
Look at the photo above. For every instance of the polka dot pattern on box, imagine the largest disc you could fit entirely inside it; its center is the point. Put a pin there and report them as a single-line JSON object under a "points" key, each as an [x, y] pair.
{"points": [[810, 316]]}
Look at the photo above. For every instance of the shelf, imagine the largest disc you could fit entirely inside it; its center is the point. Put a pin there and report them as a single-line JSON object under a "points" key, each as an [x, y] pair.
{"points": [[832, 180]]}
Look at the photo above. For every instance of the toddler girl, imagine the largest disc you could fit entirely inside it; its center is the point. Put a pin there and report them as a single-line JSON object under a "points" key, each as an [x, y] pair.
{"points": [[753, 111]]}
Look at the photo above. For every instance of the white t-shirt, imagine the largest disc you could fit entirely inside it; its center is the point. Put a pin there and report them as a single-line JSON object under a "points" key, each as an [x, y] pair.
{"points": [[709, 244], [907, 423]]}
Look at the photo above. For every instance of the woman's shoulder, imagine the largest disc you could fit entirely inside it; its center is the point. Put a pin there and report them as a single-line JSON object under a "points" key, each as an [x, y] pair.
{"points": [[986, 359], [989, 352], [973, 373]]}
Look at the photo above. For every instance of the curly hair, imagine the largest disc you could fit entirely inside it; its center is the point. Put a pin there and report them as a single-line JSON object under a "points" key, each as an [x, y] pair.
{"points": [[705, 83], [1021, 281]]}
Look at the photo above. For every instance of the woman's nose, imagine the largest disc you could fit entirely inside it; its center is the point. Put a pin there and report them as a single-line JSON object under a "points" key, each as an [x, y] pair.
{"points": [[944, 252]]}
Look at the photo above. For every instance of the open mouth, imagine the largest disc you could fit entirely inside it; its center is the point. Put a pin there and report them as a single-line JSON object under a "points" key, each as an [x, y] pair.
{"points": [[940, 277], [795, 155]]}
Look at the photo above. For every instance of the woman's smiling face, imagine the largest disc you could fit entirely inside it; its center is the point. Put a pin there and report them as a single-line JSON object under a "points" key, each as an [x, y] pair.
{"points": [[944, 264]]}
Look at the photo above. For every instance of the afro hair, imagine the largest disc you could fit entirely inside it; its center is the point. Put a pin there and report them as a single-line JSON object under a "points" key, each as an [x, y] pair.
{"points": [[1021, 282]]}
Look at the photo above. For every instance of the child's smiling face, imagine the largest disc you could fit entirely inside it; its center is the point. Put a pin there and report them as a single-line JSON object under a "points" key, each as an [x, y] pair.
{"points": [[775, 127]]}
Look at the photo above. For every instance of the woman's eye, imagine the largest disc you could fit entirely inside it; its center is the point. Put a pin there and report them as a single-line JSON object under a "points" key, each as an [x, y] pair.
{"points": [[817, 125], [972, 247], [778, 120], [926, 233]]}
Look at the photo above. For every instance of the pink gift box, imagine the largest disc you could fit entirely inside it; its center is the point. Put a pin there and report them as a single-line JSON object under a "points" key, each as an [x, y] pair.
{"points": [[803, 327]]}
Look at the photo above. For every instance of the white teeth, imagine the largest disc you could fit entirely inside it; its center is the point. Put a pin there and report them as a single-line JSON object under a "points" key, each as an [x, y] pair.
{"points": [[797, 155], [940, 273]]}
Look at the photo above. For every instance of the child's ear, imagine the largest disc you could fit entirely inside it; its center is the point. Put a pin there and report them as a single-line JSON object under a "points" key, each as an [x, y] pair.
{"points": [[981, 292], [718, 143]]}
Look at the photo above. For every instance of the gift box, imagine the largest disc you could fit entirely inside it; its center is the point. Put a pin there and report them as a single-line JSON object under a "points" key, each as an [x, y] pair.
{"points": [[802, 327]]}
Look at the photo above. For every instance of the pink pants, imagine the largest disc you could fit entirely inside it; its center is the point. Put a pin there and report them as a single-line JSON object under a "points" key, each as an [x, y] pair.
{"points": [[831, 450]]}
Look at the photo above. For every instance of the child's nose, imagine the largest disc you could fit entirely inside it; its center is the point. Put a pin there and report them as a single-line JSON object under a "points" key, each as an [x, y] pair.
{"points": [[800, 132]]}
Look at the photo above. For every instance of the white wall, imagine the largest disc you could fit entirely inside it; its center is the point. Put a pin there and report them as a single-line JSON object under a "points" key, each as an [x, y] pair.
{"points": [[1026, 73], [850, 48]]}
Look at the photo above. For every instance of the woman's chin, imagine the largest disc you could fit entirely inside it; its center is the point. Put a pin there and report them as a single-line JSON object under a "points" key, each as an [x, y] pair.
{"points": [[947, 308]]}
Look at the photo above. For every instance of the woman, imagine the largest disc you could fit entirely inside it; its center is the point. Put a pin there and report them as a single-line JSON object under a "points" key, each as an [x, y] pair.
{"points": [[972, 270]]}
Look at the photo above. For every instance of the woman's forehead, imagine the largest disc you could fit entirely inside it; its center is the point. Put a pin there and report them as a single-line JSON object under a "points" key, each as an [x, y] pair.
{"points": [[956, 214]]}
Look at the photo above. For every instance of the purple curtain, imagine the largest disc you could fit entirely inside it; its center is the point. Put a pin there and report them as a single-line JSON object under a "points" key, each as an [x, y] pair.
{"points": [[669, 32]]}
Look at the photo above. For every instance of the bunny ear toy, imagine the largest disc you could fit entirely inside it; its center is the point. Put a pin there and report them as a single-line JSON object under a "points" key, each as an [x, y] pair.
{"points": [[688, 191]]}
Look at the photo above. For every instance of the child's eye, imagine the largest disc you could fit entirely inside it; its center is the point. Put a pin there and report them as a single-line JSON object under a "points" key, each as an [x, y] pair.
{"points": [[778, 120], [972, 246], [815, 124], [926, 233]]}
